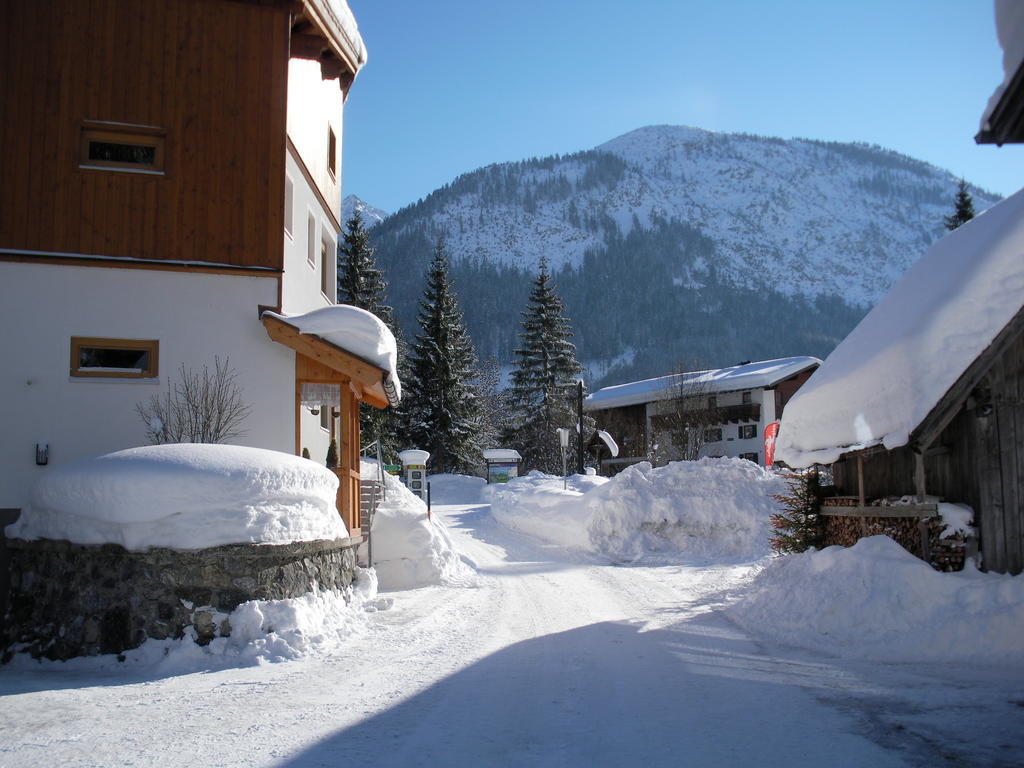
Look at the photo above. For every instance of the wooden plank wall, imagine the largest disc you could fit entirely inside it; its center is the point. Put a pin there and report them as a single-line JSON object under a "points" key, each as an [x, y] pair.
{"points": [[213, 73], [978, 460]]}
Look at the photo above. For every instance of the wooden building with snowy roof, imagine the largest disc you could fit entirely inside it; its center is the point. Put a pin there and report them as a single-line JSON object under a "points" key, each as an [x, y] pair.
{"points": [[170, 171], [924, 400]]}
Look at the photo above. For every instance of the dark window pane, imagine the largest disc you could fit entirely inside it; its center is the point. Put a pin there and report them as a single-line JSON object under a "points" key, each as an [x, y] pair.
{"points": [[136, 154], [97, 357]]}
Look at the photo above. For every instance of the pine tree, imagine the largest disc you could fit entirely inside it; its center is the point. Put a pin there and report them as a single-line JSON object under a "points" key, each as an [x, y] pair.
{"points": [[543, 392], [800, 527], [361, 284], [441, 406], [963, 210]]}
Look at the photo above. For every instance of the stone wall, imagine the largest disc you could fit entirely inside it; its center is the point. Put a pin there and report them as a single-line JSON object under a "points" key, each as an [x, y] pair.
{"points": [[72, 600]]}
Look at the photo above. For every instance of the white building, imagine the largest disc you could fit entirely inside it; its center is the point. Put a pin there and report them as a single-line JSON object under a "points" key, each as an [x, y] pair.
{"points": [[153, 204], [744, 399]]}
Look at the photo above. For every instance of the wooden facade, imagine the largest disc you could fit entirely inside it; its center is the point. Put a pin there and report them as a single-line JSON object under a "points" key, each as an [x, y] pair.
{"points": [[209, 77], [970, 449]]}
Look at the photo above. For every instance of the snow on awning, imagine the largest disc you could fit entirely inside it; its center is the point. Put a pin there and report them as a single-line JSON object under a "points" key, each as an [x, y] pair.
{"points": [[888, 375], [354, 331], [1002, 118], [764, 373]]}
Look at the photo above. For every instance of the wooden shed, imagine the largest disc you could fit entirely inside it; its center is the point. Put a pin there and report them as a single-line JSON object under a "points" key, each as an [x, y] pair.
{"points": [[924, 401]]}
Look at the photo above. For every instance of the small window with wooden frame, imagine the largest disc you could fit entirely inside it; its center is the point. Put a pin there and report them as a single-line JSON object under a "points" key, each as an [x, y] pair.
{"points": [[332, 153], [122, 147], [94, 358]]}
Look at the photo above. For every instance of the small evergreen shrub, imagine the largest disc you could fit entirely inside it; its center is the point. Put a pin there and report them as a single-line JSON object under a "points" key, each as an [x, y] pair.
{"points": [[800, 527]]}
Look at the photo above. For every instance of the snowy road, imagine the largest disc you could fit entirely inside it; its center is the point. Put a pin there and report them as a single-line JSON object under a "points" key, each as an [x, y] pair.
{"points": [[549, 660]]}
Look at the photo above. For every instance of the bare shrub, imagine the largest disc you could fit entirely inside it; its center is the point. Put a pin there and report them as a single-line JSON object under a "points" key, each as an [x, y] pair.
{"points": [[202, 407]]}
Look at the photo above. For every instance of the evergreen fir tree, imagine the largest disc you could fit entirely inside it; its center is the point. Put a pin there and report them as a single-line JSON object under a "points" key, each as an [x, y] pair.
{"points": [[963, 210], [543, 392], [361, 284], [442, 407], [800, 526]]}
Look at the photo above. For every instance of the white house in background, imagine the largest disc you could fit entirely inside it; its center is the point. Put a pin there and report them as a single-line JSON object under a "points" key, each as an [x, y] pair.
{"points": [[158, 192], [744, 399]]}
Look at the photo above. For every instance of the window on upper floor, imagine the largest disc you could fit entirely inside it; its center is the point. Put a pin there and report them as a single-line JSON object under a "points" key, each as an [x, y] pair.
{"points": [[118, 147], [746, 398], [311, 239], [114, 358], [332, 153], [289, 204], [712, 434], [328, 260], [712, 401], [748, 431]]}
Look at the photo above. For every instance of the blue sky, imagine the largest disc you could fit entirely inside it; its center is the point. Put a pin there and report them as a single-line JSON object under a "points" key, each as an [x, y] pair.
{"points": [[452, 85]]}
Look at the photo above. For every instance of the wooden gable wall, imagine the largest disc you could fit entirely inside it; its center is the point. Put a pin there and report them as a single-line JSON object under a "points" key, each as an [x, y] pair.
{"points": [[212, 73]]}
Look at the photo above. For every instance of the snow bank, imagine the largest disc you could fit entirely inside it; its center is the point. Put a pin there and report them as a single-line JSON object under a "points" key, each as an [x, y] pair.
{"points": [[881, 382], [184, 496], [318, 623], [875, 600], [711, 510], [537, 505], [455, 489], [410, 550], [357, 331]]}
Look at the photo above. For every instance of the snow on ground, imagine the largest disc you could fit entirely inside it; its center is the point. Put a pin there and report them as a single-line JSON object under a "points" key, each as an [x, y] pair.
{"points": [[716, 510], [411, 549], [184, 496], [558, 658], [877, 601]]}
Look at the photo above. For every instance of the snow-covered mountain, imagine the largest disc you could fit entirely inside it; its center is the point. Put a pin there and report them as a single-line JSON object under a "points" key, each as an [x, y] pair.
{"points": [[371, 216], [684, 228]]}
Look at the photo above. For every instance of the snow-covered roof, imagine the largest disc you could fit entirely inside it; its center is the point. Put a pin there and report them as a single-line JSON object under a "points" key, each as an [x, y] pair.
{"points": [[764, 373], [502, 454], [885, 378], [356, 331], [338, 18], [1010, 31]]}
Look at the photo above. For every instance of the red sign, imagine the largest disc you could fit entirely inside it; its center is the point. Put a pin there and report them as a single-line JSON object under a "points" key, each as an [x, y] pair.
{"points": [[770, 433]]}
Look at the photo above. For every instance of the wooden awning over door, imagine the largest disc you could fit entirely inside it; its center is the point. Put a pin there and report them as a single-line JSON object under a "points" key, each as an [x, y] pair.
{"points": [[367, 380]]}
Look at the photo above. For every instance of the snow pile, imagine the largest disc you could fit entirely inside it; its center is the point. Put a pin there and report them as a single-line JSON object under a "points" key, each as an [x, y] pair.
{"points": [[356, 331], [410, 550], [455, 489], [882, 381], [875, 600], [184, 496], [319, 623], [712, 509], [536, 504]]}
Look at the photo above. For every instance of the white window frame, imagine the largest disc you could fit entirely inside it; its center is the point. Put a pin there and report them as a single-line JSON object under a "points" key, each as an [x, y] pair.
{"points": [[289, 206], [328, 265], [311, 239]]}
